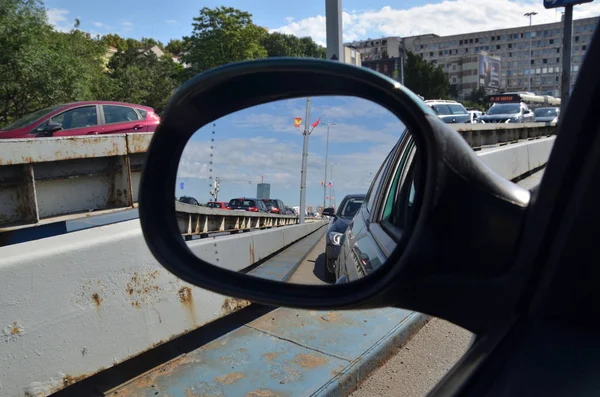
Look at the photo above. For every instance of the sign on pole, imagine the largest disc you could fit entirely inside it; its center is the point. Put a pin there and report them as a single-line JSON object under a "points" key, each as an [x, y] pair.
{"points": [[563, 3]]}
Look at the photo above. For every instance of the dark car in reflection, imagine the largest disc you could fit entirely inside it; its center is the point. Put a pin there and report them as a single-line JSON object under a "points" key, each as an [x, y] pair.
{"points": [[275, 206], [386, 214], [543, 115], [337, 226], [248, 204], [189, 200]]}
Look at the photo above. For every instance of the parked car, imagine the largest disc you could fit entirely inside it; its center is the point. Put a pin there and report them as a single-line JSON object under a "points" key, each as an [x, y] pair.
{"points": [[218, 205], [83, 118], [337, 227], [248, 204], [515, 112], [189, 200], [275, 206], [546, 114], [449, 111]]}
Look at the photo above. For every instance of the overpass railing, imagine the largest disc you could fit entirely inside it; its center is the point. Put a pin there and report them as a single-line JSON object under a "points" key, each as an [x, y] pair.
{"points": [[42, 179]]}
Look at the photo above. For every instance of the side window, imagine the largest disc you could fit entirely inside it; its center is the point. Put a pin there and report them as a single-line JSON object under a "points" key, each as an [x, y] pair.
{"points": [[372, 193], [399, 178], [457, 109], [142, 112], [119, 114], [77, 118]]}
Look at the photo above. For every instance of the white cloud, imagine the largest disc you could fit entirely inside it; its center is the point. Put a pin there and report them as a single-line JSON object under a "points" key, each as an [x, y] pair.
{"points": [[171, 21], [101, 25], [57, 17], [127, 23], [445, 18]]}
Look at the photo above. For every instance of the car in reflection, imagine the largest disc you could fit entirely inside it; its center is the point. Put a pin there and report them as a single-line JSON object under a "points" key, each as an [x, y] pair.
{"points": [[275, 206], [387, 211], [549, 114], [189, 200], [337, 226], [83, 118], [220, 205], [248, 204]]}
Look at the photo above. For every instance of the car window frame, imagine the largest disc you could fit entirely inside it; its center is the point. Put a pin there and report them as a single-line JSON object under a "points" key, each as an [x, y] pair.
{"points": [[376, 183], [102, 105], [98, 118]]}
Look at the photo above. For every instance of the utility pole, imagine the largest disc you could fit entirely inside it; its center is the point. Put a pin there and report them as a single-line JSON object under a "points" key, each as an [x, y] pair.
{"points": [[333, 28], [326, 155], [306, 133], [331, 187], [565, 86], [529, 14]]}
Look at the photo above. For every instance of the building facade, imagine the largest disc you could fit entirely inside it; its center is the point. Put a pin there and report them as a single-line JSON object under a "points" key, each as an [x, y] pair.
{"points": [[263, 190], [530, 56]]}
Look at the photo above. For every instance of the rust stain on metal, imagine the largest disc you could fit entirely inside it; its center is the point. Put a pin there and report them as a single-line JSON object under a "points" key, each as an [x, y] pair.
{"points": [[262, 393], [232, 304], [68, 380], [251, 253], [185, 297], [329, 317], [97, 299], [141, 288], [269, 356], [309, 360], [229, 378], [190, 393]]}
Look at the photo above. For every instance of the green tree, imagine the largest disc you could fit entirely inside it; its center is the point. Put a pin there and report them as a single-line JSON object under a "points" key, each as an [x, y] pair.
{"points": [[149, 42], [223, 35], [175, 47], [114, 40], [425, 78], [39, 66], [286, 45]]}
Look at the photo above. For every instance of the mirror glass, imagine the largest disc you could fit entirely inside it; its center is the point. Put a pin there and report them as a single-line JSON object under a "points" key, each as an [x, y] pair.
{"points": [[240, 184]]}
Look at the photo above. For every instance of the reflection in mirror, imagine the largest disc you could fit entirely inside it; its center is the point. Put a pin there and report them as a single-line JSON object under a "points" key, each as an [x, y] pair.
{"points": [[238, 191]]}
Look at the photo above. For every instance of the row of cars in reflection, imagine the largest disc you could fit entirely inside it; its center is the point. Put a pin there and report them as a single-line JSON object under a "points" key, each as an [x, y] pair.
{"points": [[272, 206]]}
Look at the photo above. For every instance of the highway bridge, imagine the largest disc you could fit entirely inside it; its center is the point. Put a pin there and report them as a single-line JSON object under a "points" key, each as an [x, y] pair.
{"points": [[88, 311]]}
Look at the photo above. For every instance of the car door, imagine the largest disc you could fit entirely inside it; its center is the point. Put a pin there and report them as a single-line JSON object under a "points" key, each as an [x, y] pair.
{"points": [[119, 119], [81, 120], [363, 250]]}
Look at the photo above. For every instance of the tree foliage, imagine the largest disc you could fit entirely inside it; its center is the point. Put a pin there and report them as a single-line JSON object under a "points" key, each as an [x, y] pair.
{"points": [[223, 35], [175, 47], [425, 78], [287, 45]]}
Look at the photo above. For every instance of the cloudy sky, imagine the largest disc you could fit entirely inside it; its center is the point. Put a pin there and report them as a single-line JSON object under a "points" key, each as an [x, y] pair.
{"points": [[263, 142], [362, 19]]}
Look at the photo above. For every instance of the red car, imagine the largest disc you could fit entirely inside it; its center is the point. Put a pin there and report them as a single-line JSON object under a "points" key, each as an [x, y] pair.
{"points": [[220, 205], [83, 118]]}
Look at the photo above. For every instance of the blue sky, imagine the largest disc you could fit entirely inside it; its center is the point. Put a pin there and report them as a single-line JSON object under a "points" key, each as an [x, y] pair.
{"points": [[263, 142], [164, 20]]}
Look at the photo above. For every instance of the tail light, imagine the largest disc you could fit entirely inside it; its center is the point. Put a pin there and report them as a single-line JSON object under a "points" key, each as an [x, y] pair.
{"points": [[275, 210], [253, 209]]}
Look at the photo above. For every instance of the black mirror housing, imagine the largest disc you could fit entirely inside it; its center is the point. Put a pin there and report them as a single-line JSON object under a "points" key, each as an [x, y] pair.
{"points": [[447, 264], [329, 212]]}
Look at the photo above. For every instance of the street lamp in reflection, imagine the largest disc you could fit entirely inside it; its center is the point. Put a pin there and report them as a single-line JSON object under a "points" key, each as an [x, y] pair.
{"points": [[326, 154]]}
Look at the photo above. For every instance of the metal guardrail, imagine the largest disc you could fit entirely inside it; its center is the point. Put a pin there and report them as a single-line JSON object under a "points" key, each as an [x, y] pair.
{"points": [[195, 220], [45, 178], [481, 135]]}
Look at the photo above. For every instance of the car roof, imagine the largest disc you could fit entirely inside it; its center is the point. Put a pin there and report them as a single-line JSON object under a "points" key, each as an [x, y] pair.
{"points": [[73, 104]]}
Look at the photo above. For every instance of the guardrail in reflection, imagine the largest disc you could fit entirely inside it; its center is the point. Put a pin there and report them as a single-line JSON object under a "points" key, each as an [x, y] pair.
{"points": [[481, 135], [196, 220]]}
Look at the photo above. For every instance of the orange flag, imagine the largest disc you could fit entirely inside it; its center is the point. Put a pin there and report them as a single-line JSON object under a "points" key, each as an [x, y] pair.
{"points": [[297, 121]]}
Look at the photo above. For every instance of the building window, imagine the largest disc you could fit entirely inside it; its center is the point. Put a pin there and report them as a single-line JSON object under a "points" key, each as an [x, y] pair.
{"points": [[493, 38], [440, 53], [497, 46], [431, 54], [533, 61], [577, 39], [453, 67], [498, 38], [583, 48], [459, 42], [557, 60], [510, 54], [544, 61], [509, 45], [476, 40], [551, 41], [470, 41], [558, 50]]}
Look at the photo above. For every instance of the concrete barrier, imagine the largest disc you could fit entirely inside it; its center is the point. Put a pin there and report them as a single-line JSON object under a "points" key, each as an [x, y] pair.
{"points": [[78, 303]]}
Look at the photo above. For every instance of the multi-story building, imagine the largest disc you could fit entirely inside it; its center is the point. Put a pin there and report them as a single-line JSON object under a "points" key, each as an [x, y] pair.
{"points": [[530, 56], [263, 190]]}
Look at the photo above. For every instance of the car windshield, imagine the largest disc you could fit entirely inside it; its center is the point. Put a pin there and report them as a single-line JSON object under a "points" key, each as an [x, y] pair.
{"points": [[351, 207], [242, 203], [442, 110], [505, 108], [457, 109], [31, 118], [546, 112]]}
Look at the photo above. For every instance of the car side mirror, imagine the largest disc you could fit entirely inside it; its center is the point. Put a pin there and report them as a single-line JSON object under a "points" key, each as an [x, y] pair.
{"points": [[50, 129], [442, 225], [329, 212]]}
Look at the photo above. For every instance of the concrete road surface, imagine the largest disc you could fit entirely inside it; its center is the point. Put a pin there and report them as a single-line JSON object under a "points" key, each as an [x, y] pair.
{"points": [[312, 268]]}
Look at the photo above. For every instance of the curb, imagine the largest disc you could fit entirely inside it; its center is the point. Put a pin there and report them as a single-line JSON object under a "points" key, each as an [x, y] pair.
{"points": [[350, 378]]}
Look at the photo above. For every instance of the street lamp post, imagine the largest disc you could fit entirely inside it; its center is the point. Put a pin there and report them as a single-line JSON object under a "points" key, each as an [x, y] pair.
{"points": [[326, 155], [305, 133], [529, 14], [331, 174]]}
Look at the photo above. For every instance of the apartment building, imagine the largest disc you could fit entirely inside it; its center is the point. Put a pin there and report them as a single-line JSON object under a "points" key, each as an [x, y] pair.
{"points": [[525, 53]]}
